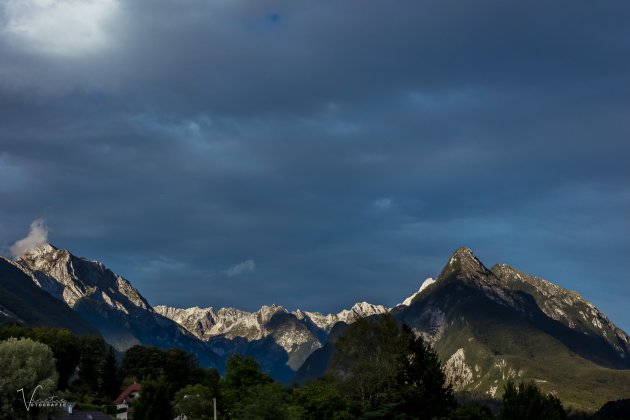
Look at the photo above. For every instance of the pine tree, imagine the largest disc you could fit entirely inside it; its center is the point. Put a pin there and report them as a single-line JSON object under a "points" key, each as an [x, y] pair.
{"points": [[110, 385]]}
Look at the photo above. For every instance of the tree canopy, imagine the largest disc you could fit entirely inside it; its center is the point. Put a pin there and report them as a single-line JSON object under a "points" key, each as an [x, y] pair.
{"points": [[176, 366], [526, 401], [154, 401], [25, 364], [388, 371], [195, 402]]}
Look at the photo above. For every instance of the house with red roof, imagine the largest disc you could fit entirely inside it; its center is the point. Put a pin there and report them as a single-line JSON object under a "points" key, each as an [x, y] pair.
{"points": [[124, 402]]}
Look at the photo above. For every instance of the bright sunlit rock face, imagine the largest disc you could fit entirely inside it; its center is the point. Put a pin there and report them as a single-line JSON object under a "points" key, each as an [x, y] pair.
{"points": [[60, 27]]}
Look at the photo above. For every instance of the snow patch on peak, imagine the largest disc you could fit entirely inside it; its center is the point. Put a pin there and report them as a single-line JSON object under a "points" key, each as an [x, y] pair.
{"points": [[366, 309], [357, 311], [271, 309], [360, 310], [42, 249], [426, 283], [206, 323]]}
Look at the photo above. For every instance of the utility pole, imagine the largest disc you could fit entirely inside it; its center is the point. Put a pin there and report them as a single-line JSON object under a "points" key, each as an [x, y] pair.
{"points": [[214, 404]]}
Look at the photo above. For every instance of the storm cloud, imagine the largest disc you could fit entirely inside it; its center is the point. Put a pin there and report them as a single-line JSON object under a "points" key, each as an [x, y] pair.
{"points": [[346, 148]]}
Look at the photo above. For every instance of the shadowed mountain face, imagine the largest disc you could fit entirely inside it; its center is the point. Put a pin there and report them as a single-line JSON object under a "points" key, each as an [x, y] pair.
{"points": [[571, 310], [108, 302], [489, 326], [23, 302], [562, 314]]}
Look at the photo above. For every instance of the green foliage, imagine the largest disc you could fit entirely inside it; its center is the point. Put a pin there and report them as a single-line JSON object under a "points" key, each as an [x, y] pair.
{"points": [[209, 378], [366, 362], [470, 412], [244, 372], [62, 342], [65, 348], [153, 402], [388, 372], [81, 361], [195, 401], [105, 408], [25, 364], [110, 379], [93, 354], [241, 375], [263, 401], [420, 380], [143, 362], [176, 366], [180, 368], [321, 399], [525, 401]]}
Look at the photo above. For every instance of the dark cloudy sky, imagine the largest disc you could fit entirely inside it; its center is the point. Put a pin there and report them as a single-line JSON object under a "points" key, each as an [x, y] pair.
{"points": [[314, 154]]}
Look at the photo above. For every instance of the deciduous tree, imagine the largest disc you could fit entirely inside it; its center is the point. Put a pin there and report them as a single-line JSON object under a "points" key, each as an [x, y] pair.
{"points": [[28, 365], [389, 372], [195, 402], [153, 402]]}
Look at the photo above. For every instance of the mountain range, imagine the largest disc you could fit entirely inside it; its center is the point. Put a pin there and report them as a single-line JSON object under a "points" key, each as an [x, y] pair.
{"points": [[487, 325], [280, 340]]}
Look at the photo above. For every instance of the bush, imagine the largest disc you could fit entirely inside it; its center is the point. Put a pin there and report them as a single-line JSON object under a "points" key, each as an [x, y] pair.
{"points": [[526, 401]]}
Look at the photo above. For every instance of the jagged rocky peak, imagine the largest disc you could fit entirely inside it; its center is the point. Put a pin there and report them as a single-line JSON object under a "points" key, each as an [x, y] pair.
{"points": [[44, 248], [358, 310], [464, 263], [72, 278], [467, 260], [299, 314], [266, 312], [464, 266], [182, 313], [206, 323], [367, 309], [43, 255]]}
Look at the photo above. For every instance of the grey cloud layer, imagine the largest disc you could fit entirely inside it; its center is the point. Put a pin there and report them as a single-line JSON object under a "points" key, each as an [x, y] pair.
{"points": [[205, 133]]}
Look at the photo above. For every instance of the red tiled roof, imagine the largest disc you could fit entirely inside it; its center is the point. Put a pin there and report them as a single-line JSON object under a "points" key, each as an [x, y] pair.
{"points": [[131, 388]]}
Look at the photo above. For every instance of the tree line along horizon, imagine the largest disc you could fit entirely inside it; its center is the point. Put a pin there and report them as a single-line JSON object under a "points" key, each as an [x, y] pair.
{"points": [[379, 370]]}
